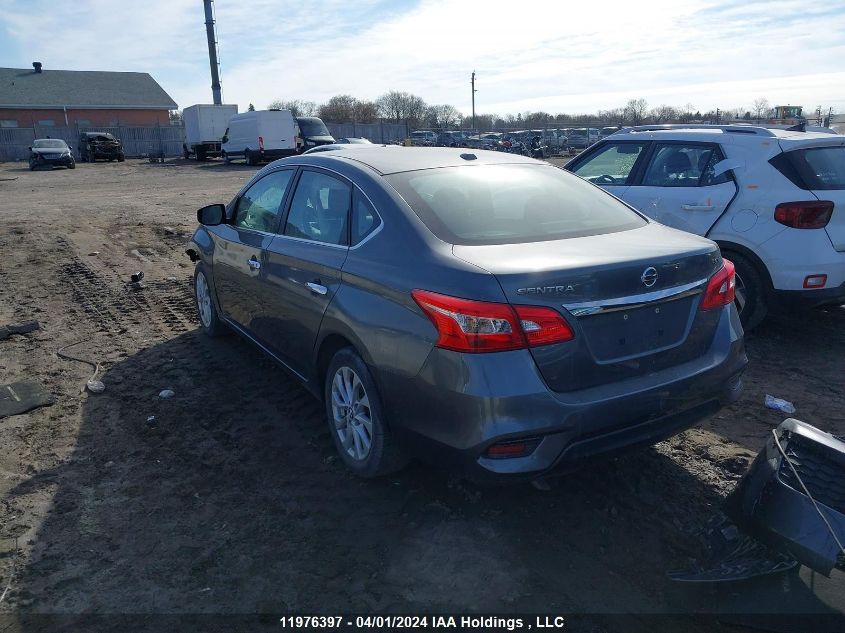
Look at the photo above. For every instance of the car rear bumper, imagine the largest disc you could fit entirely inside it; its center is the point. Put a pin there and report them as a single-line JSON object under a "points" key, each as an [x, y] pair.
{"points": [[809, 298], [461, 404]]}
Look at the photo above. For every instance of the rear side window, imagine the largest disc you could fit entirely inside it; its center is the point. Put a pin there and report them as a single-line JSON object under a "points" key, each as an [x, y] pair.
{"points": [[820, 168], [611, 164], [510, 204], [365, 220]]}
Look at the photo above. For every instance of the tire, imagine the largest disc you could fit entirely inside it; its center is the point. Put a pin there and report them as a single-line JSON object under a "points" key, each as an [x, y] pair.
{"points": [[31, 167], [348, 380], [71, 166], [751, 290], [185, 153], [200, 155], [250, 159], [121, 158], [225, 157], [204, 303]]}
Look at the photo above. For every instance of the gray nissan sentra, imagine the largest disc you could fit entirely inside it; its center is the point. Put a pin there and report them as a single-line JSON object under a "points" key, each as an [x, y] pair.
{"points": [[477, 309]]}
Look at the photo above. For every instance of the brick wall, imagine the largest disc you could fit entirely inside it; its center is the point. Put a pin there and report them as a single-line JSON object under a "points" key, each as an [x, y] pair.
{"points": [[30, 118]]}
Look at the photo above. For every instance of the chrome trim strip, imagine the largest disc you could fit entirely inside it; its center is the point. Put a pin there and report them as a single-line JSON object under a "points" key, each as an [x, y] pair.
{"points": [[588, 308]]}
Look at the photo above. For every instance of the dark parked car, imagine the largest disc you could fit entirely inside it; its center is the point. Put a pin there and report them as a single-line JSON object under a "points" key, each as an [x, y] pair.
{"points": [[483, 310], [50, 152], [94, 145], [313, 132]]}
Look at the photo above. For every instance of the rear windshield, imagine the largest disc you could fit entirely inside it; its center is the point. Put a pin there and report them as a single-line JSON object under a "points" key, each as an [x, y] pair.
{"points": [[821, 167], [510, 204], [312, 126], [49, 143]]}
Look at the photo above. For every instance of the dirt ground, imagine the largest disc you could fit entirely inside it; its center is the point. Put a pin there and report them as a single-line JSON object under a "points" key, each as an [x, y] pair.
{"points": [[232, 501]]}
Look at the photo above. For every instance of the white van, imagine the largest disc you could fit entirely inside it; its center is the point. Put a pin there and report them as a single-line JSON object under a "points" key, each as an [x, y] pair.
{"points": [[261, 135]]}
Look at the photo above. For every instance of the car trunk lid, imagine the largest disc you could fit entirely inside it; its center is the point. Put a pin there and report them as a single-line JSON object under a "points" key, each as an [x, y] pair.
{"points": [[632, 298]]}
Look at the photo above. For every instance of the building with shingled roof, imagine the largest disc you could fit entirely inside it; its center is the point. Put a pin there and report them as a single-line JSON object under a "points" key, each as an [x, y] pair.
{"points": [[39, 97]]}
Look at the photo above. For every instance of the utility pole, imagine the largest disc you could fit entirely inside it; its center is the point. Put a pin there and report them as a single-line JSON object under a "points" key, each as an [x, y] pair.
{"points": [[472, 82], [212, 53]]}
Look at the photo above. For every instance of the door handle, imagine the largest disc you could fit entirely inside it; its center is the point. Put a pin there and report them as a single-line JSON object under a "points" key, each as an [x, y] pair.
{"points": [[697, 207], [254, 263], [316, 288]]}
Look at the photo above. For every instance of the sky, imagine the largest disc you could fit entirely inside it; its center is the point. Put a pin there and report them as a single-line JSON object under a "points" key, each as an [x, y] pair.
{"points": [[528, 55]]}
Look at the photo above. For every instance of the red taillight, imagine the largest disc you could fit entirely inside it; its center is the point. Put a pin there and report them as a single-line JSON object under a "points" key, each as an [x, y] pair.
{"points": [[261, 143], [465, 325], [515, 448], [543, 326], [721, 289], [813, 214]]}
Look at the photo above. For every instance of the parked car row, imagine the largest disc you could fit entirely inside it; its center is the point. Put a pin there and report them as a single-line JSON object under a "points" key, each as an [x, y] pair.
{"points": [[555, 139], [53, 152]]}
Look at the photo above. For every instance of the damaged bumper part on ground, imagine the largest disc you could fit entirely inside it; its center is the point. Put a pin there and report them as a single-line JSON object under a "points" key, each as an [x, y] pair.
{"points": [[772, 503]]}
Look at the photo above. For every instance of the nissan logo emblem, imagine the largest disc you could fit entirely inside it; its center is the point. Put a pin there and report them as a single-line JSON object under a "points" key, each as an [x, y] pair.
{"points": [[649, 277]]}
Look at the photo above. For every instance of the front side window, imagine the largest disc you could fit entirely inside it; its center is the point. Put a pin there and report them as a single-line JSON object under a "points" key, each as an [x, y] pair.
{"points": [[319, 210], [259, 207], [510, 204], [611, 164], [679, 165]]}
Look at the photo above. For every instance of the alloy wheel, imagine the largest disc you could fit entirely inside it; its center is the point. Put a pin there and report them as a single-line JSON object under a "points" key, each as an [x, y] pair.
{"points": [[203, 300], [352, 414]]}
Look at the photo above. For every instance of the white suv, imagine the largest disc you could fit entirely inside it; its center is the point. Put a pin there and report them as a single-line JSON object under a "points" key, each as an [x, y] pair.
{"points": [[773, 199]]}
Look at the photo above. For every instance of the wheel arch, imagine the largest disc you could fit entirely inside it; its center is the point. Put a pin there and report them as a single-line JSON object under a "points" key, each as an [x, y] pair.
{"points": [[332, 342], [727, 246]]}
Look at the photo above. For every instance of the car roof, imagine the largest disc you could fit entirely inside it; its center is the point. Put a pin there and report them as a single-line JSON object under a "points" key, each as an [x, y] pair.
{"points": [[737, 133], [393, 159]]}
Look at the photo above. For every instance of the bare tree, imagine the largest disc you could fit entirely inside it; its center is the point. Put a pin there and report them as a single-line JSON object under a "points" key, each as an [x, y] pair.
{"points": [[297, 107], [635, 110], [443, 116], [664, 114], [760, 108], [366, 111], [402, 106], [338, 109]]}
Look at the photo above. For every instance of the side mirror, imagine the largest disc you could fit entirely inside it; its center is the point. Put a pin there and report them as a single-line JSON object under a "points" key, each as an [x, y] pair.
{"points": [[726, 165], [225, 139], [29, 148], [212, 215]]}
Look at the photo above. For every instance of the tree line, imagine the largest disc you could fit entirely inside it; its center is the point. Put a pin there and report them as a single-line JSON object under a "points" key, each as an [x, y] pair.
{"points": [[400, 107]]}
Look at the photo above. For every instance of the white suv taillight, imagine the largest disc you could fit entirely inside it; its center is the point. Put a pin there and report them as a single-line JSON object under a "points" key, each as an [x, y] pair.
{"points": [[810, 214]]}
